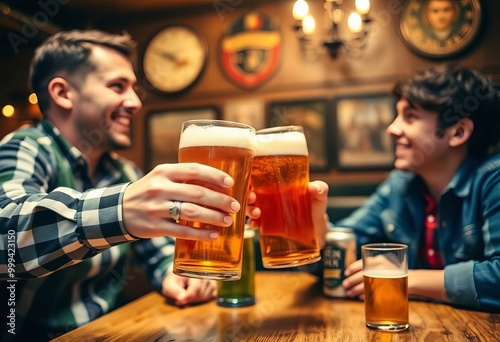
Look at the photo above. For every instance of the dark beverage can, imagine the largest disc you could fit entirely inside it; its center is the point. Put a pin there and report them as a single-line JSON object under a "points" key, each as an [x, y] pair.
{"points": [[340, 251]]}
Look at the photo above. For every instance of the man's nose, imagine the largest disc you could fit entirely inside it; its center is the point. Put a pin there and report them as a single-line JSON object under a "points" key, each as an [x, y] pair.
{"points": [[394, 129], [132, 100]]}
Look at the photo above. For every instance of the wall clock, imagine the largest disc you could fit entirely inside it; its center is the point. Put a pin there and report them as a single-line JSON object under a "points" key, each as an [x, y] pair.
{"points": [[440, 28], [174, 58]]}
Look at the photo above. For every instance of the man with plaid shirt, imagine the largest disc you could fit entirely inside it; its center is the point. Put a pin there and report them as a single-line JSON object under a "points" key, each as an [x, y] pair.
{"points": [[71, 210]]}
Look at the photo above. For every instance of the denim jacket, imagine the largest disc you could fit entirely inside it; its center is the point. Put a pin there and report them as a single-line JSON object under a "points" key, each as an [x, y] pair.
{"points": [[468, 227]]}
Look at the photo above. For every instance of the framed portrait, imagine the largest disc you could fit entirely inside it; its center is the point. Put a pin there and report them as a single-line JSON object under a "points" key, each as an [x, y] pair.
{"points": [[163, 131], [312, 115], [440, 28], [362, 142]]}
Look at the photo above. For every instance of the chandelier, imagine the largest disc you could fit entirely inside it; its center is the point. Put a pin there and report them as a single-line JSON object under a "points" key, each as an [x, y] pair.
{"points": [[358, 23]]}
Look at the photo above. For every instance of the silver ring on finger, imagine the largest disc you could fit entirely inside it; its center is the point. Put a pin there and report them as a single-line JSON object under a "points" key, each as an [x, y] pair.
{"points": [[175, 211]]}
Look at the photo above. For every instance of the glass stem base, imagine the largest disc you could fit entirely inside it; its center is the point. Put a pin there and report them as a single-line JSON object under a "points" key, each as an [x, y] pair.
{"points": [[289, 263], [207, 275], [388, 327], [235, 302]]}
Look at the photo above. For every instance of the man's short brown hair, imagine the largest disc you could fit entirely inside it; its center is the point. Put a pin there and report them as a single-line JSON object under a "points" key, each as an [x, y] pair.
{"points": [[67, 53]]}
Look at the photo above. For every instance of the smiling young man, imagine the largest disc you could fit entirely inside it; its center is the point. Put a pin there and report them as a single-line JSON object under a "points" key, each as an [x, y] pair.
{"points": [[443, 199], [70, 207]]}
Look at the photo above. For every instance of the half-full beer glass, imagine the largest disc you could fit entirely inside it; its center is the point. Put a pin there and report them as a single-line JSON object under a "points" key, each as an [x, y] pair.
{"points": [[385, 269], [227, 146], [280, 178]]}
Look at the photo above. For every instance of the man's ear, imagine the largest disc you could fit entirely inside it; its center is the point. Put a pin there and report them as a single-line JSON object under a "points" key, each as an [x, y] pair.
{"points": [[461, 132], [60, 92]]}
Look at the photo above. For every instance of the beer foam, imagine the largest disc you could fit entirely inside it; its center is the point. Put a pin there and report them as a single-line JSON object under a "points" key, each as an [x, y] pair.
{"points": [[385, 274], [285, 143], [216, 136]]}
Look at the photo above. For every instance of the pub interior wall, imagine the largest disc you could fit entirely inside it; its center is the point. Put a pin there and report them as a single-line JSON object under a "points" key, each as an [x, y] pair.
{"points": [[385, 60]]}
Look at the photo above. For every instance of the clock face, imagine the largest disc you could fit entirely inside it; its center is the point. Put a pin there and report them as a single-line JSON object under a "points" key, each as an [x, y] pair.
{"points": [[440, 28], [174, 58]]}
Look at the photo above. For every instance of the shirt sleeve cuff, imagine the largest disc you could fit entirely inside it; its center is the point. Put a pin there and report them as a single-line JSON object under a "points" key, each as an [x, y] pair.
{"points": [[459, 284], [100, 220]]}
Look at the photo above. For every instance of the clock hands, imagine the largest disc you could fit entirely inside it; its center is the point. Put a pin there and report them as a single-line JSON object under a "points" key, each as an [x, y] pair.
{"points": [[170, 56]]}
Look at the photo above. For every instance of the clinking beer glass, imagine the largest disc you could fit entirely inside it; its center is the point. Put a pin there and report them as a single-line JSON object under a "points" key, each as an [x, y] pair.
{"points": [[227, 146], [280, 178], [385, 269]]}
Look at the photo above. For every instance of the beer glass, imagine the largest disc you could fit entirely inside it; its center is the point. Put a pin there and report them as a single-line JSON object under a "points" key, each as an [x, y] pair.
{"points": [[280, 178], [226, 146], [240, 292], [385, 269]]}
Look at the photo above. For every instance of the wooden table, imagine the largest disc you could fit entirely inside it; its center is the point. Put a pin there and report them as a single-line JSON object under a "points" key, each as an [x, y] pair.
{"points": [[290, 307]]}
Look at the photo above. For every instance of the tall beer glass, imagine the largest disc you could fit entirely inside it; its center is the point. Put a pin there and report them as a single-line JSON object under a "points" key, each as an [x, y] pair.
{"points": [[385, 269], [227, 146], [280, 178]]}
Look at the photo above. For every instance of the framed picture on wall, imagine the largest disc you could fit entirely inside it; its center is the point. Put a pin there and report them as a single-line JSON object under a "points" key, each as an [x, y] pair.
{"points": [[362, 141], [247, 111], [440, 29], [312, 115], [163, 131]]}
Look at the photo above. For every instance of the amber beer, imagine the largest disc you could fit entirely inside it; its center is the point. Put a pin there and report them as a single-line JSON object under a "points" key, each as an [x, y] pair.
{"points": [[227, 146], [385, 269], [280, 178], [386, 299]]}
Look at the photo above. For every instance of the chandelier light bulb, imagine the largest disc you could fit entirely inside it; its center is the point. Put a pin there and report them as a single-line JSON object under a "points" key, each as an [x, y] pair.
{"points": [[337, 15], [308, 25], [354, 22], [300, 9], [335, 18], [363, 6]]}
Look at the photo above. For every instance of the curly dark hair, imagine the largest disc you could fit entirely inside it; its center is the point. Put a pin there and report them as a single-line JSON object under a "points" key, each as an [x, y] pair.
{"points": [[67, 52], [457, 93]]}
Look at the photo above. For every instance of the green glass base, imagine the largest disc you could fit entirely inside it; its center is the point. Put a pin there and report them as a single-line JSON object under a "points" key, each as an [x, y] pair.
{"points": [[236, 302]]}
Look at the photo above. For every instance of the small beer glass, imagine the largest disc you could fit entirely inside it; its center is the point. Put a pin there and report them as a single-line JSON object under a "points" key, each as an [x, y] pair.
{"points": [[240, 292], [227, 146], [385, 269], [280, 178]]}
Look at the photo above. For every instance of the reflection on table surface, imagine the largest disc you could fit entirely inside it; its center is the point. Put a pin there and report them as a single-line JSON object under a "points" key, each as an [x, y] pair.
{"points": [[290, 307]]}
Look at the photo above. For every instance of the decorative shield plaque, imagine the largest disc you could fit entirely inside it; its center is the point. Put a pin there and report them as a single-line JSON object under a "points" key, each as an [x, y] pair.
{"points": [[250, 50]]}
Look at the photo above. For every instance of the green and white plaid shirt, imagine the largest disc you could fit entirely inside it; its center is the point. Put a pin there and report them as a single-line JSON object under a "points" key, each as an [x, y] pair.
{"points": [[63, 246]]}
